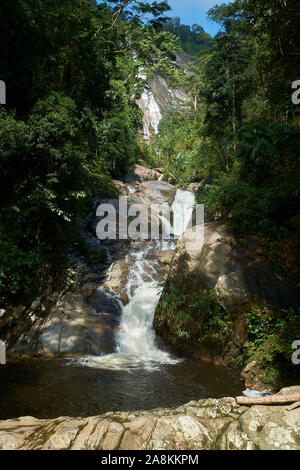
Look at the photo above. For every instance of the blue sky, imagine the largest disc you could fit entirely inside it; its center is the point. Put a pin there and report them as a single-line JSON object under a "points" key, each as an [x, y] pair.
{"points": [[195, 11]]}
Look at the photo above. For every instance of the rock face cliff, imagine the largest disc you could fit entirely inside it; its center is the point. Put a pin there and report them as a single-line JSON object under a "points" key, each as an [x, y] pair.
{"points": [[158, 98], [198, 425]]}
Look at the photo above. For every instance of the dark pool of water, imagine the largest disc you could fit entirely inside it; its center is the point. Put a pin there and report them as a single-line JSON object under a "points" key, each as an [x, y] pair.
{"points": [[48, 389]]}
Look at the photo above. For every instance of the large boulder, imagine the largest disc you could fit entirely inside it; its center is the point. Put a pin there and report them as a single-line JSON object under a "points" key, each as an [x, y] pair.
{"points": [[209, 259], [218, 260], [140, 174], [198, 187], [156, 192], [78, 324]]}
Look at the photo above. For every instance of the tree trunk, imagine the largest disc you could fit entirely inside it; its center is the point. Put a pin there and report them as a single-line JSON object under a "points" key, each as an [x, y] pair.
{"points": [[294, 406], [195, 103], [268, 400], [233, 117]]}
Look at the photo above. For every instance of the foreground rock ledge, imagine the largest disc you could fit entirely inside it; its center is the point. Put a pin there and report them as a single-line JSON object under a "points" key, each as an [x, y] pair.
{"points": [[200, 425]]}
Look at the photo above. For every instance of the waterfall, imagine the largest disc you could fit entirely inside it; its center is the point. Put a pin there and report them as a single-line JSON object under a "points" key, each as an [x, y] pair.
{"points": [[182, 208], [136, 345], [152, 115]]}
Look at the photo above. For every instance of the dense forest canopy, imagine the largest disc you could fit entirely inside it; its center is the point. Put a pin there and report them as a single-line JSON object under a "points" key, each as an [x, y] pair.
{"points": [[71, 69], [242, 128]]}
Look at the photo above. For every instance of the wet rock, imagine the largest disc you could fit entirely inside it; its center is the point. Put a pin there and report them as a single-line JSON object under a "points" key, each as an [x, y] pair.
{"points": [[220, 261], [13, 323], [32, 317], [158, 98], [158, 192], [166, 97], [73, 327], [86, 315], [88, 289], [165, 257], [36, 304], [118, 278], [232, 290]]}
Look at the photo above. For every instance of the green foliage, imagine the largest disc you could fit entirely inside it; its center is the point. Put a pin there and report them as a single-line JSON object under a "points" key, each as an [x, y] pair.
{"points": [[166, 262], [236, 129], [193, 39], [16, 267], [147, 156], [271, 335], [71, 122], [181, 148], [117, 143], [261, 188], [43, 184], [194, 316]]}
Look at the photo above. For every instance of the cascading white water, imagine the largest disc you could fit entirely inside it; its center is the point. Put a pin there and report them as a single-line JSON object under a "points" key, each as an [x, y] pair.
{"points": [[131, 190], [182, 210], [136, 345], [152, 115]]}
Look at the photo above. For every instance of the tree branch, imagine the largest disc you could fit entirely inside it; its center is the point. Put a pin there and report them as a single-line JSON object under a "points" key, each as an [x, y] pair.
{"points": [[118, 12]]}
